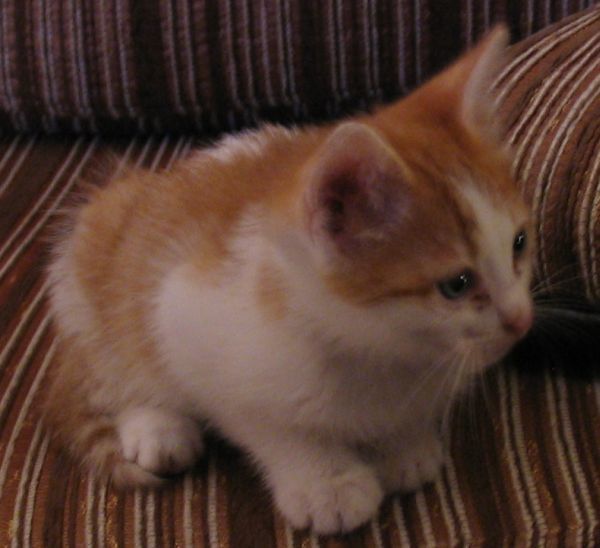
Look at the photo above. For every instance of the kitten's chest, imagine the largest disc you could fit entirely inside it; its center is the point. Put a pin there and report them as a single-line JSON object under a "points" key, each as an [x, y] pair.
{"points": [[370, 406]]}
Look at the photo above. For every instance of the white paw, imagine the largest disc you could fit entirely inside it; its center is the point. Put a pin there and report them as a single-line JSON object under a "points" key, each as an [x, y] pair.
{"points": [[333, 504], [412, 465], [159, 441]]}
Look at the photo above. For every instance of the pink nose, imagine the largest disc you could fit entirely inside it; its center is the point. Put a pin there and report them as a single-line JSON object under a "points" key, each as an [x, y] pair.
{"points": [[518, 322]]}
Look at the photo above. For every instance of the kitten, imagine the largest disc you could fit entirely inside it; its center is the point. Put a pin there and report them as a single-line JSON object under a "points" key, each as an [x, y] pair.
{"points": [[318, 295]]}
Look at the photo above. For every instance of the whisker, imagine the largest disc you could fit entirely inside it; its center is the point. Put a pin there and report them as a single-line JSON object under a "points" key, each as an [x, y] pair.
{"points": [[565, 301], [483, 381], [566, 315], [421, 384], [470, 402], [558, 273], [549, 287], [458, 381], [442, 389]]}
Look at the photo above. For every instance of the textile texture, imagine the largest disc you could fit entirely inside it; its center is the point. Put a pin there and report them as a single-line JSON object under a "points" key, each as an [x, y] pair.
{"points": [[549, 97], [123, 66], [523, 467]]}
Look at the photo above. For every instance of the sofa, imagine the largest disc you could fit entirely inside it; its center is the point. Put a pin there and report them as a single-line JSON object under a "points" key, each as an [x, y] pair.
{"points": [[147, 81]]}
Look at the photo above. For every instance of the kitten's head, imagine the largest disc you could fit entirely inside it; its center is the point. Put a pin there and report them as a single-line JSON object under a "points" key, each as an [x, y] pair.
{"points": [[417, 222]]}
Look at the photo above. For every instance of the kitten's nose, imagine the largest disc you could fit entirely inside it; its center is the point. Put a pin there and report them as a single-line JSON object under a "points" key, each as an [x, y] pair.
{"points": [[518, 321]]}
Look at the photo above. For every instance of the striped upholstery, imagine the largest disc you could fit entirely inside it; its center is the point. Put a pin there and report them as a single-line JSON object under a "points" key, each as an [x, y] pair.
{"points": [[202, 65], [550, 99], [525, 458]]}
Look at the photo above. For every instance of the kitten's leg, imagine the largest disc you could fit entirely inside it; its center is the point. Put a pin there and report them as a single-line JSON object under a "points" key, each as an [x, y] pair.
{"points": [[318, 485], [155, 441], [158, 440], [410, 460]]}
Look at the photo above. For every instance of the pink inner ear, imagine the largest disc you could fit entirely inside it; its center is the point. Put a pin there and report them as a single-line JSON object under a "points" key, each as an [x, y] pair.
{"points": [[358, 207], [354, 185], [338, 200]]}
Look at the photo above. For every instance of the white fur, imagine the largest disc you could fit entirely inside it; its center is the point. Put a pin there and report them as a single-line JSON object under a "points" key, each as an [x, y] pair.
{"points": [[302, 392], [508, 289], [158, 440]]}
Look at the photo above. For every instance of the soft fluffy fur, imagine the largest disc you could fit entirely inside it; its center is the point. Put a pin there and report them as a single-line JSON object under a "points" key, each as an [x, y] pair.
{"points": [[283, 287]]}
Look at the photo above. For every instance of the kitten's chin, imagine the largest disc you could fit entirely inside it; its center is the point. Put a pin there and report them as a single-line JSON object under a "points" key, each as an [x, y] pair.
{"points": [[485, 355]]}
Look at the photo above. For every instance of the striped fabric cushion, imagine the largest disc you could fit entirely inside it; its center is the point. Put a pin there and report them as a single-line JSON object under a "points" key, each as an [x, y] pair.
{"points": [[524, 454], [202, 65], [550, 98]]}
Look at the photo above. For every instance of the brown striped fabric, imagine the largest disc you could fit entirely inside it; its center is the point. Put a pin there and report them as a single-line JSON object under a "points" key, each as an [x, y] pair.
{"points": [[121, 66], [550, 99], [524, 468]]}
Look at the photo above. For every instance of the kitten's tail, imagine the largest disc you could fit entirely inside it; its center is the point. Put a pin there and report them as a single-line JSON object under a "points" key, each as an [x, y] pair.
{"points": [[88, 436]]}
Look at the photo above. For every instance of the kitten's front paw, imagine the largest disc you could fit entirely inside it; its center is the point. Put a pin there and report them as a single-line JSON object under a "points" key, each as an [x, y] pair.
{"points": [[411, 465], [333, 504], [159, 441]]}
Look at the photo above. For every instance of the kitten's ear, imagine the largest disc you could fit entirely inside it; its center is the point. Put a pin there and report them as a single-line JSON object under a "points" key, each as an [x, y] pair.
{"points": [[474, 74], [356, 191]]}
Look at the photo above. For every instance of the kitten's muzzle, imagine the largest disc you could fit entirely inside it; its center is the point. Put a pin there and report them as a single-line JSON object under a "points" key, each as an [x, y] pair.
{"points": [[518, 321]]}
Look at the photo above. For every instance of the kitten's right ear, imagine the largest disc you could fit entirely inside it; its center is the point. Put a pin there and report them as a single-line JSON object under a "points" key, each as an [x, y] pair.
{"points": [[479, 67], [357, 191]]}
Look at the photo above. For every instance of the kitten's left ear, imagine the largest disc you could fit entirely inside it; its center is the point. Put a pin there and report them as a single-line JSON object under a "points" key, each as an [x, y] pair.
{"points": [[356, 191], [474, 74]]}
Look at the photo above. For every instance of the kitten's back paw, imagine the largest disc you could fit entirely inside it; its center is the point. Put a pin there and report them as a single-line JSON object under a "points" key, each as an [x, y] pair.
{"points": [[158, 441], [333, 504]]}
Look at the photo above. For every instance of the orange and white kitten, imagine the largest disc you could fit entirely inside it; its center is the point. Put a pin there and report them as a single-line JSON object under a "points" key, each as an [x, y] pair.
{"points": [[317, 295]]}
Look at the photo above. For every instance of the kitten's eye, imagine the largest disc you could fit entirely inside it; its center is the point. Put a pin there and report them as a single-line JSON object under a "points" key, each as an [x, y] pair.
{"points": [[520, 243], [458, 286]]}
